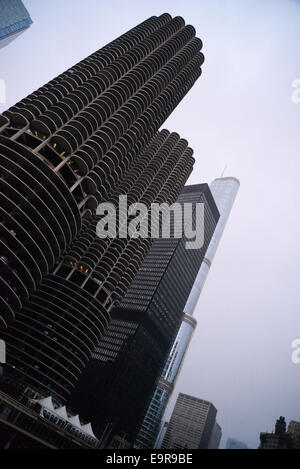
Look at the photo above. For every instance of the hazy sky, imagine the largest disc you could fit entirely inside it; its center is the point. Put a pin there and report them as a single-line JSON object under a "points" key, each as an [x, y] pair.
{"points": [[238, 114]]}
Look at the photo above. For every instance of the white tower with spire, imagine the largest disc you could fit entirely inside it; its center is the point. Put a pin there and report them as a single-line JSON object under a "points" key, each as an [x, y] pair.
{"points": [[224, 191]]}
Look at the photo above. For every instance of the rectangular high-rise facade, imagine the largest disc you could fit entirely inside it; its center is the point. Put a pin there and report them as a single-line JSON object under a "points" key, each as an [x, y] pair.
{"points": [[224, 191], [191, 424], [294, 427], [118, 382], [85, 138], [233, 443]]}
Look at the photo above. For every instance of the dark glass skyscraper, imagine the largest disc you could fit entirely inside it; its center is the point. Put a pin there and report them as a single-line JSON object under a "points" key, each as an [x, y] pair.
{"points": [[118, 382], [84, 138], [191, 425]]}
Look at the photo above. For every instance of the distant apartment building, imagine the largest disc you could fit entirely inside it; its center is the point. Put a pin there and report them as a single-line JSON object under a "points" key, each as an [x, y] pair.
{"points": [[191, 424], [282, 439], [161, 434], [224, 191], [216, 437], [14, 18], [294, 427], [232, 443]]}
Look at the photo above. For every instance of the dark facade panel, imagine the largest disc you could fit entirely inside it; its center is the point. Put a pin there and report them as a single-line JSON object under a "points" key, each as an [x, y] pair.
{"points": [[191, 424]]}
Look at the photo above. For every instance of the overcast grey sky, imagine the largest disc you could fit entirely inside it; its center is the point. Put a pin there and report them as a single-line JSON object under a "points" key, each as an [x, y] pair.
{"points": [[238, 114]]}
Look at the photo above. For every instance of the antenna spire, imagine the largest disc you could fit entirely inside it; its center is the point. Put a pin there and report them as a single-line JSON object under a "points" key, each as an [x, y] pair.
{"points": [[225, 167]]}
